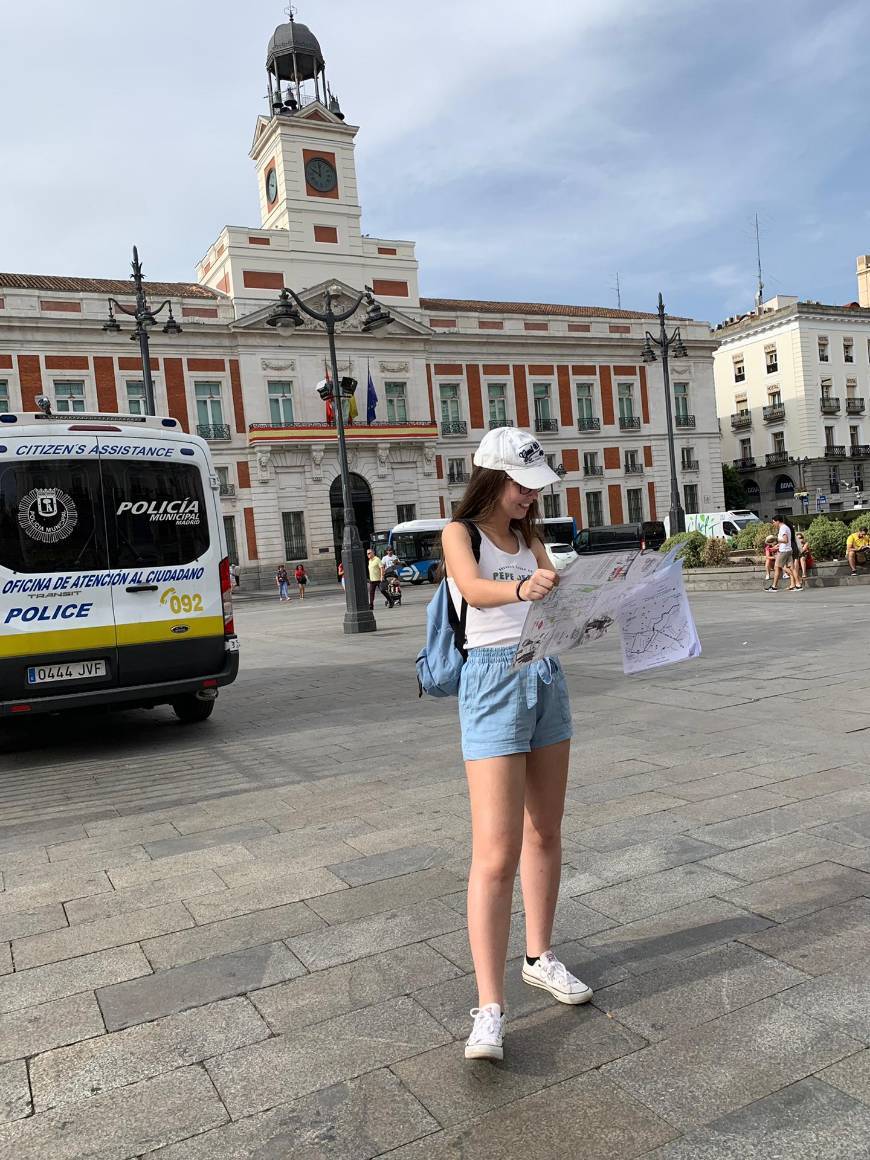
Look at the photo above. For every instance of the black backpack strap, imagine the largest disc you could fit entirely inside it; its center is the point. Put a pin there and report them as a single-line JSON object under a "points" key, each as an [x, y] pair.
{"points": [[458, 622]]}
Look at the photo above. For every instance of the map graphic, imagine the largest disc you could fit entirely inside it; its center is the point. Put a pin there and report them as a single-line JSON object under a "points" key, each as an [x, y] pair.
{"points": [[658, 628]]}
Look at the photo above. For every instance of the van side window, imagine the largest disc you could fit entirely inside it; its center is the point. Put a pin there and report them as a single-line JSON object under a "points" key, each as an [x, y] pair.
{"points": [[155, 513], [51, 516]]}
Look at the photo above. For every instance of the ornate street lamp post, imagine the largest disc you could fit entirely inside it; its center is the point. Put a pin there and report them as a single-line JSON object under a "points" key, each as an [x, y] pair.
{"points": [[144, 317], [285, 316], [665, 342]]}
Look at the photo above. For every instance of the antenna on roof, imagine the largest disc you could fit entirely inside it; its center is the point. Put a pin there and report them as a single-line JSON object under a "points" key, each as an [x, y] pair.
{"points": [[618, 292], [759, 293]]}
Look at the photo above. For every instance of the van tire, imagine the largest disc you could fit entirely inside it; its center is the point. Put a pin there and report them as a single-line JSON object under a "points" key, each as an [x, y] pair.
{"points": [[190, 709]]}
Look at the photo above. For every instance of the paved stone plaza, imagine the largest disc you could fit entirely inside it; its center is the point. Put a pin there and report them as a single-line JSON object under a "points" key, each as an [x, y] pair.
{"points": [[247, 938]]}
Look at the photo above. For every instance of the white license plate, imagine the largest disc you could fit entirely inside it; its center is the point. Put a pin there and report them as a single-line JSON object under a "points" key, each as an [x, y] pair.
{"points": [[68, 671]]}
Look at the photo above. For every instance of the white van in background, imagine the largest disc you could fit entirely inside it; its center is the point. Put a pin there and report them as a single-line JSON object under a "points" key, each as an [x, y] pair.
{"points": [[114, 576], [716, 525]]}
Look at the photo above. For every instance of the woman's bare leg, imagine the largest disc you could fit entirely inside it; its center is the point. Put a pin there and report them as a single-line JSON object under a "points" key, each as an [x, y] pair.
{"points": [[541, 858], [496, 788]]}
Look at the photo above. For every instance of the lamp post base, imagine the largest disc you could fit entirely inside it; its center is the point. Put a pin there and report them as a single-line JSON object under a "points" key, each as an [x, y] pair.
{"points": [[677, 520], [358, 617]]}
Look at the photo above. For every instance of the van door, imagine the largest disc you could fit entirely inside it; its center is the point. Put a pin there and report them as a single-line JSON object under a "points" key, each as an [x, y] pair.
{"points": [[57, 628], [163, 534]]}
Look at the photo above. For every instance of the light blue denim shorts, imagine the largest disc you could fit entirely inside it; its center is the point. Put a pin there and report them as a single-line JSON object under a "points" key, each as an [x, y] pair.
{"points": [[504, 711]]}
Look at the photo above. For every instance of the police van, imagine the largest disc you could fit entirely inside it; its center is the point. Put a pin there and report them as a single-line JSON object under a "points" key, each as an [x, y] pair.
{"points": [[114, 575]]}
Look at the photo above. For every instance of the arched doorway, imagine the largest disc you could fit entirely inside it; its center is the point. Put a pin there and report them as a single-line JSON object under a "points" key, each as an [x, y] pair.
{"points": [[784, 486], [361, 498]]}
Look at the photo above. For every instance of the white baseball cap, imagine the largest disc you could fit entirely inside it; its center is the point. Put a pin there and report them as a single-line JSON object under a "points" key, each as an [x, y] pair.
{"points": [[518, 454]]}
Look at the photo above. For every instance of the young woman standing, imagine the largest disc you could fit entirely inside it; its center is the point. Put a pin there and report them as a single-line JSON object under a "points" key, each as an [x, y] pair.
{"points": [[516, 728]]}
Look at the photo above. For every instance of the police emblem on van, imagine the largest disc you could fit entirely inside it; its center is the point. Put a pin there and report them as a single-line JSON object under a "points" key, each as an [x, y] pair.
{"points": [[47, 514], [178, 629]]}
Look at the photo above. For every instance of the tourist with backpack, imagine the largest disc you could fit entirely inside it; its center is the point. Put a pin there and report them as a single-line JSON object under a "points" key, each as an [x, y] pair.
{"points": [[516, 723]]}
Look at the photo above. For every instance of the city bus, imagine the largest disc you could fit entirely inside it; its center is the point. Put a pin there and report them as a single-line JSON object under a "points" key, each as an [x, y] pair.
{"points": [[417, 543]]}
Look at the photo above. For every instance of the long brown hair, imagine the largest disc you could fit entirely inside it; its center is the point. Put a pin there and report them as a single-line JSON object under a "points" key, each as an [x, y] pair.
{"points": [[481, 497]]}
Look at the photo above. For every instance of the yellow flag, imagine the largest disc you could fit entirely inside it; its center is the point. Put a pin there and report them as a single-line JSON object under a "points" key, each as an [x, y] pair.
{"points": [[352, 409]]}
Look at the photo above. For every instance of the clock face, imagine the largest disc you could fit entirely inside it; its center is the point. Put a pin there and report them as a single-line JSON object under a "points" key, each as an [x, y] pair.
{"points": [[321, 175], [271, 186]]}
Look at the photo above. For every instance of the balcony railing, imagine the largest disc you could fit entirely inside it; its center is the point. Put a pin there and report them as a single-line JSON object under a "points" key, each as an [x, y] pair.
{"points": [[746, 464], [634, 469], [629, 423], [593, 469], [860, 450], [742, 421], [227, 489], [835, 452], [773, 413], [460, 427], [830, 405], [493, 423], [692, 464], [542, 425], [458, 477], [684, 420], [854, 406], [213, 431], [776, 458], [590, 424]]}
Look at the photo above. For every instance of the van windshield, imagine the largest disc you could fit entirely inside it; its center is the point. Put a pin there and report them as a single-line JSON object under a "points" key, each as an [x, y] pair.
{"points": [[51, 516], [156, 513]]}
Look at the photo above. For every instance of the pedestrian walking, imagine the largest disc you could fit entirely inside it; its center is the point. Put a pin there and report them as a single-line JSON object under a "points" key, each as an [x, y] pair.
{"points": [[341, 573], [234, 575], [784, 556], [516, 727], [301, 578], [282, 583], [770, 550], [376, 576]]}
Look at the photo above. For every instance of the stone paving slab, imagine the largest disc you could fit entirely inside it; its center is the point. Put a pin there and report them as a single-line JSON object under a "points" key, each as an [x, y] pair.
{"points": [[44, 1026], [355, 1120], [850, 1075], [15, 1101], [802, 891], [821, 941], [56, 980], [805, 1121]]}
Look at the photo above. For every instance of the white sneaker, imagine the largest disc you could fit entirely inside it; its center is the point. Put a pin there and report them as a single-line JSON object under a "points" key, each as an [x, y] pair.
{"points": [[551, 975], [487, 1035]]}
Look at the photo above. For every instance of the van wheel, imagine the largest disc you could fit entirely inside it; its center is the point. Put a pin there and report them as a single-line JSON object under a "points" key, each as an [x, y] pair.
{"points": [[190, 709]]}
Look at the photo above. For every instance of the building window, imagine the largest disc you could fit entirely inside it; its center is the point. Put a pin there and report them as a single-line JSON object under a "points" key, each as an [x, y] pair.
{"points": [[770, 360], [631, 463], [397, 404], [634, 497], [455, 470], [848, 350], [496, 393], [552, 506], [745, 449], [590, 463], [681, 400], [834, 477], [280, 393], [541, 395], [829, 436], [826, 388], [450, 412], [741, 404], [69, 395], [4, 397], [687, 455], [209, 407], [594, 509], [585, 401], [854, 439], [454, 504], [135, 397], [626, 400], [823, 349], [779, 442], [294, 535], [690, 498], [774, 398], [223, 474], [405, 512], [851, 388], [232, 544], [739, 370]]}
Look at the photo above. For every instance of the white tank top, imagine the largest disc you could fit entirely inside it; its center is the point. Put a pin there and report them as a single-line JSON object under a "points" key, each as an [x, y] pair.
{"points": [[502, 625]]}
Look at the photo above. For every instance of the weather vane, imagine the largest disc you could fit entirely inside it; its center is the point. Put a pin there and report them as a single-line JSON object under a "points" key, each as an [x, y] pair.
{"points": [[291, 11]]}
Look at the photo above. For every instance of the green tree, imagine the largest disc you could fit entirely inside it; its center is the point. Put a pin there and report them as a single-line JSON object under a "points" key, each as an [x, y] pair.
{"points": [[735, 492]]}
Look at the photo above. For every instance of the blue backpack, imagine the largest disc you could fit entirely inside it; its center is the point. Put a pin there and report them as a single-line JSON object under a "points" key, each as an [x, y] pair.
{"points": [[440, 661]]}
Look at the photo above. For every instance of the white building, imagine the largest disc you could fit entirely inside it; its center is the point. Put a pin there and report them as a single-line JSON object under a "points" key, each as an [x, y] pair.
{"points": [[444, 371], [792, 384]]}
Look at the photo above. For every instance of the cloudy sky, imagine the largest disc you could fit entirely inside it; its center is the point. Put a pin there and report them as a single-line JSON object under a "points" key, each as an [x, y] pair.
{"points": [[532, 149]]}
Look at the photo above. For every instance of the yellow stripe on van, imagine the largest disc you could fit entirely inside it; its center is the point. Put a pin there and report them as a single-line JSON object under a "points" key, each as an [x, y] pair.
{"points": [[23, 644]]}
